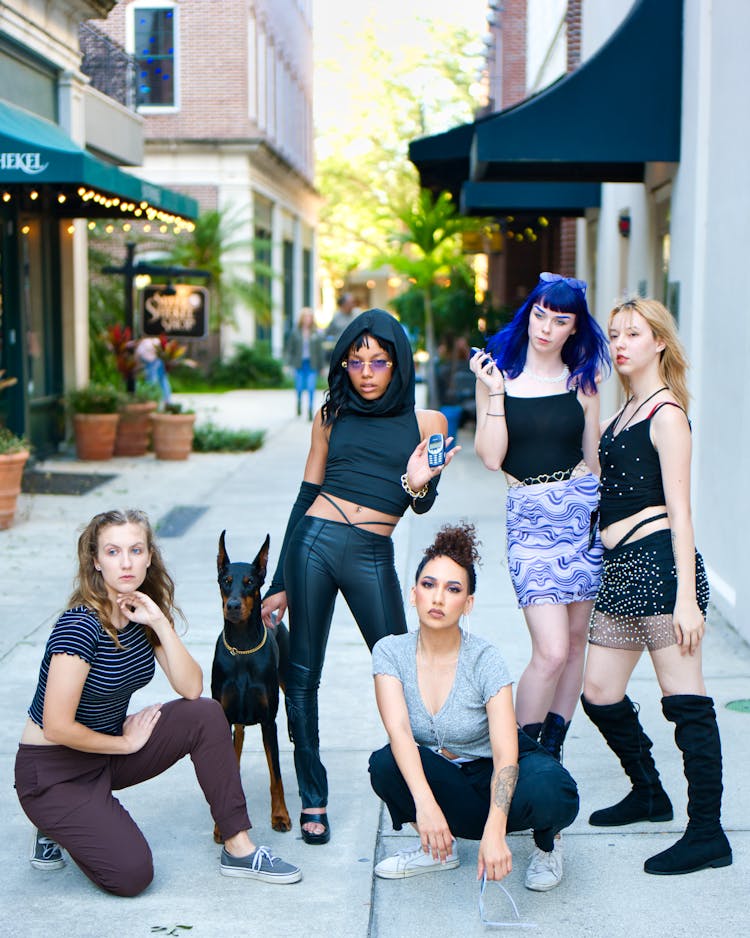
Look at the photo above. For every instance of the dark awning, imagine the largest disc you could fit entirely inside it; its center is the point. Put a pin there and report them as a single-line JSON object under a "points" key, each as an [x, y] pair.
{"points": [[568, 199], [602, 123], [34, 152]]}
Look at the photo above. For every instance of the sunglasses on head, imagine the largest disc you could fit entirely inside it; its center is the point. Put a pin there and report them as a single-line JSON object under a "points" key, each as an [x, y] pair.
{"points": [[574, 284], [377, 364]]}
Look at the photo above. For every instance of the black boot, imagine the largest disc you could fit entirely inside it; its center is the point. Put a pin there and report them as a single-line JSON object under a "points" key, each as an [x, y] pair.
{"points": [[533, 730], [554, 731], [619, 725], [704, 844]]}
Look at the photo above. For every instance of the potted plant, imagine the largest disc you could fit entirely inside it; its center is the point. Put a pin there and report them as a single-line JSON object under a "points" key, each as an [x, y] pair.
{"points": [[172, 432], [95, 411], [14, 451]]}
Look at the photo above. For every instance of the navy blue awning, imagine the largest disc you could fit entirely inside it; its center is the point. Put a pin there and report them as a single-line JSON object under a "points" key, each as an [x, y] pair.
{"points": [[602, 123]]}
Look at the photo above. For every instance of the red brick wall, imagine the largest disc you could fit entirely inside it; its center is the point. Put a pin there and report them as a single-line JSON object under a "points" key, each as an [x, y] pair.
{"points": [[513, 38]]}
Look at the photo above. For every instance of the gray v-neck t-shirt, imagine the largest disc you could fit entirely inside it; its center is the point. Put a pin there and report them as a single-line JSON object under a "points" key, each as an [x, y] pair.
{"points": [[461, 725]]}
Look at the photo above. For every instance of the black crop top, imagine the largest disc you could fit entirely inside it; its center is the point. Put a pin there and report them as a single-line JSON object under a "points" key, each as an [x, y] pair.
{"points": [[545, 434], [367, 457], [631, 471]]}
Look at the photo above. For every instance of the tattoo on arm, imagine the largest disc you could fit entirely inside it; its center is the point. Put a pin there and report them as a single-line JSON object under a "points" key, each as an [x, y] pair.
{"points": [[505, 785]]}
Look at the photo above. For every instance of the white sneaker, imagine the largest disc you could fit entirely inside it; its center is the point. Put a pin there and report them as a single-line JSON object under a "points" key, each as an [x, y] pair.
{"points": [[545, 869], [413, 863]]}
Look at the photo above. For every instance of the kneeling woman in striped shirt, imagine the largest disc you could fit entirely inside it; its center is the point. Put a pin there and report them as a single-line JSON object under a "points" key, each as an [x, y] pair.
{"points": [[79, 745]]}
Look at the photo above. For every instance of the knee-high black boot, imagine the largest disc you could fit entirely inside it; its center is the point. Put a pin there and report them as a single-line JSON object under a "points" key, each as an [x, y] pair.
{"points": [[647, 801], [704, 844], [554, 731], [533, 730]]}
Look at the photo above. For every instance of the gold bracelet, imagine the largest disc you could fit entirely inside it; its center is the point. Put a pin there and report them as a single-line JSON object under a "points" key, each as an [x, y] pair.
{"points": [[408, 489], [495, 415]]}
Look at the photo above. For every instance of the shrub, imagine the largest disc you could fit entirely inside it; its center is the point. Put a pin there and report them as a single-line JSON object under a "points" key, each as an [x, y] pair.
{"points": [[250, 367], [208, 438]]}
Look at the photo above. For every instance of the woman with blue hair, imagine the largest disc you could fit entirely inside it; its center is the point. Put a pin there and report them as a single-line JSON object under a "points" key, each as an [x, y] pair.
{"points": [[538, 421]]}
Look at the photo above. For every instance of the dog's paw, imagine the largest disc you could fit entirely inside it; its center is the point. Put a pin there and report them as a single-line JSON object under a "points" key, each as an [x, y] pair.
{"points": [[281, 822]]}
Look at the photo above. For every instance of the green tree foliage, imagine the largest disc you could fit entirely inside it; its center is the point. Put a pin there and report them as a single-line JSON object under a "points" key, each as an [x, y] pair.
{"points": [[363, 169]]}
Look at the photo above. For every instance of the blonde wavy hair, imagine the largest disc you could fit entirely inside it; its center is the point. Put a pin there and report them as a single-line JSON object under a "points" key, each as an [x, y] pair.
{"points": [[673, 363], [89, 589]]}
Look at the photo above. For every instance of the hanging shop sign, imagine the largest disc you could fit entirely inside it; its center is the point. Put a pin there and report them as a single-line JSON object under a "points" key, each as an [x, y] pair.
{"points": [[175, 310]]}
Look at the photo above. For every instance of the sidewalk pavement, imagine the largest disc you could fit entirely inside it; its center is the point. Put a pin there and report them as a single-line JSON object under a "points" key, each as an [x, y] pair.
{"points": [[604, 891]]}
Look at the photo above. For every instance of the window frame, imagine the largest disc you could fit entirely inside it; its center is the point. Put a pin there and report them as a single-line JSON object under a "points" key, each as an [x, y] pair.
{"points": [[132, 12]]}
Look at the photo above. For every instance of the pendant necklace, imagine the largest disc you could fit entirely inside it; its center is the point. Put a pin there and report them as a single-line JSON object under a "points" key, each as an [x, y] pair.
{"points": [[545, 380]]}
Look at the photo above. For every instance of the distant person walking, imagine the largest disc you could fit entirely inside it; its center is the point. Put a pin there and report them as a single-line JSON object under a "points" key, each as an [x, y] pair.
{"points": [[654, 592], [147, 352], [304, 353]]}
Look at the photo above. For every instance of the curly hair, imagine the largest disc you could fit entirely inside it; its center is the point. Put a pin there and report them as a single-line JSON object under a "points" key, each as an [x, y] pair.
{"points": [[460, 544], [673, 363], [89, 589]]}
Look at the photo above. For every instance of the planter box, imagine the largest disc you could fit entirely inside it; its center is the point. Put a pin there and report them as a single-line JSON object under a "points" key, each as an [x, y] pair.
{"points": [[172, 435], [134, 429], [95, 435], [11, 470]]}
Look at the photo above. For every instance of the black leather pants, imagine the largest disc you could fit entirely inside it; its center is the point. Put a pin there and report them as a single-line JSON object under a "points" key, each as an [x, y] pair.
{"points": [[324, 557]]}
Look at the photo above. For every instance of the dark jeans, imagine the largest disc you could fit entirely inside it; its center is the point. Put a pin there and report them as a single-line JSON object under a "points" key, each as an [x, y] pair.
{"points": [[545, 800], [324, 557], [67, 794]]}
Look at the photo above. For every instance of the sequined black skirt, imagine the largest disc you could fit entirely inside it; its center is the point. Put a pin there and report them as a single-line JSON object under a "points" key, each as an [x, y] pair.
{"points": [[638, 592]]}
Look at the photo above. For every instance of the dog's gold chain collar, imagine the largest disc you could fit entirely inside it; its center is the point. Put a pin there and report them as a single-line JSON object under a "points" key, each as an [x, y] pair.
{"points": [[237, 651]]}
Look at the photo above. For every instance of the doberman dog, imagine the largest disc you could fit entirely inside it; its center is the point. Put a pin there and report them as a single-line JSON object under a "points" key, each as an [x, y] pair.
{"points": [[250, 664]]}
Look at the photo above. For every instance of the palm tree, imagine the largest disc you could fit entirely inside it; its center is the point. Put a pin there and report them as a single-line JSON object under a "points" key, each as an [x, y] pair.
{"points": [[428, 248]]}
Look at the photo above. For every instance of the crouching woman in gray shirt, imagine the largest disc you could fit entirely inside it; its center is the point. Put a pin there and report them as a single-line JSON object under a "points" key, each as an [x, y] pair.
{"points": [[457, 765]]}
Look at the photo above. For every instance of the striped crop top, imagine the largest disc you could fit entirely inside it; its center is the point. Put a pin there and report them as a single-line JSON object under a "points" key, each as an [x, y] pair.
{"points": [[115, 674]]}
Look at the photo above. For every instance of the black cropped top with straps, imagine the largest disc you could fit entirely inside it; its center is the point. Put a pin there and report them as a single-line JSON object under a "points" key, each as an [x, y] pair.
{"points": [[631, 471], [545, 434], [366, 457]]}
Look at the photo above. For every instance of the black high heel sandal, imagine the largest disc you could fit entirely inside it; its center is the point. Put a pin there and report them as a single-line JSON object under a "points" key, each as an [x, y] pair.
{"points": [[310, 838]]}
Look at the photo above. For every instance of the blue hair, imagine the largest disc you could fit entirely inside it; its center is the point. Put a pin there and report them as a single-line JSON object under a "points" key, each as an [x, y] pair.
{"points": [[586, 351]]}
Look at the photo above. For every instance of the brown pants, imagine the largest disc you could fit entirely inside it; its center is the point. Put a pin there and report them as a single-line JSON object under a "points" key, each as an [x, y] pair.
{"points": [[67, 794]]}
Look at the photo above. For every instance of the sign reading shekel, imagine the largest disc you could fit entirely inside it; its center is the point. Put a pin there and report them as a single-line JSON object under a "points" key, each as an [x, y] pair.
{"points": [[176, 310], [29, 163]]}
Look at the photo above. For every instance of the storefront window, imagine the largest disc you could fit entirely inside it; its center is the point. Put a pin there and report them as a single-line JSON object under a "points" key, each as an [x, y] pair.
{"points": [[154, 38]]}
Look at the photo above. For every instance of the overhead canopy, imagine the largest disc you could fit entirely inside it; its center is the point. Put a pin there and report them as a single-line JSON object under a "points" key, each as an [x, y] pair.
{"points": [[35, 152], [601, 123], [568, 199]]}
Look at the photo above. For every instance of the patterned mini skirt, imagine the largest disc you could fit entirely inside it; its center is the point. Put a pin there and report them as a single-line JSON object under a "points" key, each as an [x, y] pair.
{"points": [[548, 531], [639, 589]]}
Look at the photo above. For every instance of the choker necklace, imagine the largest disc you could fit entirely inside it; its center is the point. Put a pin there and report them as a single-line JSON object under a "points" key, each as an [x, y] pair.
{"points": [[563, 374]]}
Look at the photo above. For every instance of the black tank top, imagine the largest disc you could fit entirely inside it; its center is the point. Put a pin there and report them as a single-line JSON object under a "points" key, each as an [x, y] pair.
{"points": [[545, 434], [367, 457], [631, 471]]}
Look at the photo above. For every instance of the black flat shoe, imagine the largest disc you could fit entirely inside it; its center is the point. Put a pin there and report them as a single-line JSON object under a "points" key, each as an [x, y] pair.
{"points": [[315, 819]]}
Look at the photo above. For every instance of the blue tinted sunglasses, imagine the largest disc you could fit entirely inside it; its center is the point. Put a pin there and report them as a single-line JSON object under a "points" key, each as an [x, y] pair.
{"points": [[376, 365], [574, 284]]}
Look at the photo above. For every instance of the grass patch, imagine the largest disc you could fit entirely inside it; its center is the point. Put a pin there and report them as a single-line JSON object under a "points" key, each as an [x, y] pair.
{"points": [[209, 438]]}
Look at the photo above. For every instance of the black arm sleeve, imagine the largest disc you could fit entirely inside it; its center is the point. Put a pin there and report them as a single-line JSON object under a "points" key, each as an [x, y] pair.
{"points": [[307, 494], [422, 505]]}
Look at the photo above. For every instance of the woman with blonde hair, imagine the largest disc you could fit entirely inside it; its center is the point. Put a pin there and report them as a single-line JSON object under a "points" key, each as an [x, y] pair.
{"points": [[79, 744], [654, 591]]}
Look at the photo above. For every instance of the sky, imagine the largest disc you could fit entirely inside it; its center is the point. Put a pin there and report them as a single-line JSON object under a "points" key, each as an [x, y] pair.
{"points": [[397, 23]]}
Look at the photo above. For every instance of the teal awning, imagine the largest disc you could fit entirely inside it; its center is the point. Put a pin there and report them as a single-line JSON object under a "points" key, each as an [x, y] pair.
{"points": [[35, 152], [567, 199], [601, 123]]}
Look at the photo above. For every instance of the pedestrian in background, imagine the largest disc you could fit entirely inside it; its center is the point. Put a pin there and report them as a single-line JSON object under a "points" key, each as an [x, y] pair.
{"points": [[304, 353], [366, 466], [538, 421], [147, 352], [79, 744], [654, 592]]}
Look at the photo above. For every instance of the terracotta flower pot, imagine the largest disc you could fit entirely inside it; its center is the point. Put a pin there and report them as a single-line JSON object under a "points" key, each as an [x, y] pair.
{"points": [[95, 435], [134, 428], [11, 470], [172, 435]]}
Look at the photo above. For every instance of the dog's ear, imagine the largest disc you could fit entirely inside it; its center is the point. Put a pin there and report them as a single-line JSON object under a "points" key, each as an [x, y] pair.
{"points": [[222, 558], [261, 561]]}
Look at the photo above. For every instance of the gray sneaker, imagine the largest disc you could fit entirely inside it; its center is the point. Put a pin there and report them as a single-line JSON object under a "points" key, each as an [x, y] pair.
{"points": [[260, 864], [45, 853]]}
